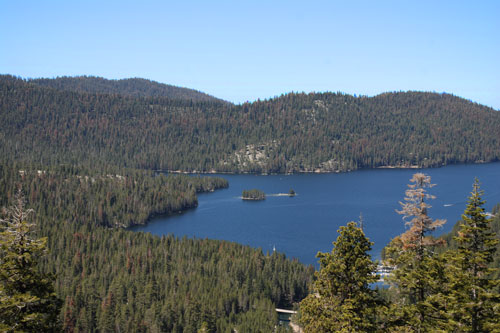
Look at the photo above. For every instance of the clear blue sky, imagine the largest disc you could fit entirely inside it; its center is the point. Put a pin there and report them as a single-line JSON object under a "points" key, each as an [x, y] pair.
{"points": [[242, 51]]}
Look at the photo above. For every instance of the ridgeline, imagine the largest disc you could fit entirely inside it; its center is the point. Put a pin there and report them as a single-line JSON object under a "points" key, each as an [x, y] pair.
{"points": [[317, 132]]}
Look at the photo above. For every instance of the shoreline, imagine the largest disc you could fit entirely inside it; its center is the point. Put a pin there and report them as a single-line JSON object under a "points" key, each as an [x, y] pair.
{"points": [[317, 171]]}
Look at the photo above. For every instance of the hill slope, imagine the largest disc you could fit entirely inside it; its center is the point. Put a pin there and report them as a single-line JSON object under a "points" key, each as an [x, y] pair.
{"points": [[112, 279], [135, 87], [292, 133]]}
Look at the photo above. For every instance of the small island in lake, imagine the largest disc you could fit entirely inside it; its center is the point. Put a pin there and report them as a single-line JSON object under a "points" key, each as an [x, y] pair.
{"points": [[253, 195]]}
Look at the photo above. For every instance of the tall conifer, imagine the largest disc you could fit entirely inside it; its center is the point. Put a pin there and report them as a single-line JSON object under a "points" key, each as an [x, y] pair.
{"points": [[343, 300], [419, 274], [473, 290], [28, 302]]}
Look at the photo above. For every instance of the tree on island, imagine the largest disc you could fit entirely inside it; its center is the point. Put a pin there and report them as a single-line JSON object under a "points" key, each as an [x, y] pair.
{"points": [[28, 302], [343, 300], [253, 195]]}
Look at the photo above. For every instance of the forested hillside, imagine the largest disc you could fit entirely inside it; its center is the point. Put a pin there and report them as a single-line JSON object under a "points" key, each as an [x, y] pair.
{"points": [[106, 199], [135, 87], [84, 150], [112, 279], [293, 133]]}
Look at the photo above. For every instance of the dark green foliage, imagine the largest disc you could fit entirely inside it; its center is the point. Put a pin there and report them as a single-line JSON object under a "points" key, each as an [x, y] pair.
{"points": [[139, 282], [112, 279], [343, 300], [253, 195], [262, 318], [28, 302], [494, 226], [294, 132], [112, 198], [475, 299], [129, 87]]}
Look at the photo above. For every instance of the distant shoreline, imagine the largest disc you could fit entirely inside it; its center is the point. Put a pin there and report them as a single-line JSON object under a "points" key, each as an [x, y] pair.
{"points": [[399, 167], [317, 171]]}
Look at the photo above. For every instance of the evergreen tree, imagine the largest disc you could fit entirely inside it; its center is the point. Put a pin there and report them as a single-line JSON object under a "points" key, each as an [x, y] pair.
{"points": [[27, 298], [420, 224], [342, 300], [419, 275], [473, 290]]}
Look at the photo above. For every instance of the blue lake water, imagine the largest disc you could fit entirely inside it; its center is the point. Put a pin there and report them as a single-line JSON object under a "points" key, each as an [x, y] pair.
{"points": [[301, 226]]}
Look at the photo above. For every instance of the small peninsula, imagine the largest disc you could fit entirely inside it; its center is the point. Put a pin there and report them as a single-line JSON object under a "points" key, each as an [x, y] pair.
{"points": [[253, 195]]}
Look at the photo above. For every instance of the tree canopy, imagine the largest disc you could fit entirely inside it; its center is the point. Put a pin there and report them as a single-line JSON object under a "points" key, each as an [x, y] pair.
{"points": [[342, 300], [448, 283], [28, 302], [474, 292], [112, 279]]}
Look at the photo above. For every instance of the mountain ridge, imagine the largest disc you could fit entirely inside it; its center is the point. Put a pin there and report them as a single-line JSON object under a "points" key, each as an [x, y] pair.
{"points": [[134, 87], [295, 132]]}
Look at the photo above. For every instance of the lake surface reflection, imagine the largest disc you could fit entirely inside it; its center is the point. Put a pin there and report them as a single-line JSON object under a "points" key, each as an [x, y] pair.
{"points": [[301, 226]]}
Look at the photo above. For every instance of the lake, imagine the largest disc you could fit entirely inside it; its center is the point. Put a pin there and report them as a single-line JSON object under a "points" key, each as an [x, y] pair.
{"points": [[301, 226]]}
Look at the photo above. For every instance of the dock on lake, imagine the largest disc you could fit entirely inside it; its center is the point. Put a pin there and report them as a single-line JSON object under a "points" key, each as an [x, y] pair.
{"points": [[284, 315]]}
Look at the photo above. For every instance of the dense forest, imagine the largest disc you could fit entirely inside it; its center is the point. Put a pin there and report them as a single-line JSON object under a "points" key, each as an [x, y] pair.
{"points": [[112, 279], [87, 154], [135, 87], [107, 199], [323, 132]]}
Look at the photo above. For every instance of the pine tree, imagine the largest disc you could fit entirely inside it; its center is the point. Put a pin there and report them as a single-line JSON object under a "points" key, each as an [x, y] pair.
{"points": [[342, 300], [27, 298], [419, 274], [420, 224], [473, 290]]}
